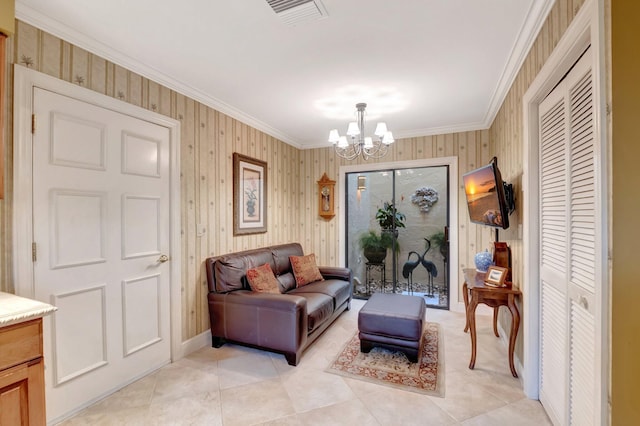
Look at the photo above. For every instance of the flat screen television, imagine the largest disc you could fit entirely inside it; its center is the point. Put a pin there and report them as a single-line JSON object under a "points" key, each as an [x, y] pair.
{"points": [[488, 198]]}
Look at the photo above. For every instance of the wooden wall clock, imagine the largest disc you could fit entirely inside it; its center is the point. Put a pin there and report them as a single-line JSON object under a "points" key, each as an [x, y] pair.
{"points": [[326, 197]]}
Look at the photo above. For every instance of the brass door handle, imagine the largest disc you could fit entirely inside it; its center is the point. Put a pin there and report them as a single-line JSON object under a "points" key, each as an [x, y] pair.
{"points": [[163, 258]]}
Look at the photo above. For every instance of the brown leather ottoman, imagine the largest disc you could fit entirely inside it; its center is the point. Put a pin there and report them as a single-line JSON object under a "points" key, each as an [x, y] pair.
{"points": [[392, 321]]}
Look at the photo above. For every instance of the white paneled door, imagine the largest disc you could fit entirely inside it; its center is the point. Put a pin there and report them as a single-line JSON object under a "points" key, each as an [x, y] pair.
{"points": [[570, 374], [101, 231]]}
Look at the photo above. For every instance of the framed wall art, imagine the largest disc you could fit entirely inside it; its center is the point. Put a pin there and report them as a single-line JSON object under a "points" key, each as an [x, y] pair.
{"points": [[496, 276], [326, 198], [249, 195]]}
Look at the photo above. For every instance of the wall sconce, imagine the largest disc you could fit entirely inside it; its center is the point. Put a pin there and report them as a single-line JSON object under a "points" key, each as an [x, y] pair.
{"points": [[362, 183]]}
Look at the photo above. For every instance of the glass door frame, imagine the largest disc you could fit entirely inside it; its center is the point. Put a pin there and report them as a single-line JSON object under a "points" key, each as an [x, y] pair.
{"points": [[455, 304]]}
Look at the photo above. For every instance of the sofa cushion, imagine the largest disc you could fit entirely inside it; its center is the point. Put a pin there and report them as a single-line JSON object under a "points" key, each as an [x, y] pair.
{"points": [[262, 280], [287, 282], [281, 255], [231, 269], [338, 290], [305, 269], [319, 308]]}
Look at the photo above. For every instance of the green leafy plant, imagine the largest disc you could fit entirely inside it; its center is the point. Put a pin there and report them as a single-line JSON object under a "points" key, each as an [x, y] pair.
{"points": [[388, 217], [375, 245], [372, 240], [438, 240]]}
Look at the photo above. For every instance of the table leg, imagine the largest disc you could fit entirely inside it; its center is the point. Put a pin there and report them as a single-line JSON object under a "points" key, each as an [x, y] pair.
{"points": [[471, 320], [495, 321], [465, 297], [515, 324]]}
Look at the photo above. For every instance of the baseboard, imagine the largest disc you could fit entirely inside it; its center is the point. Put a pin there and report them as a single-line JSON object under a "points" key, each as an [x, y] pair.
{"points": [[197, 342]]}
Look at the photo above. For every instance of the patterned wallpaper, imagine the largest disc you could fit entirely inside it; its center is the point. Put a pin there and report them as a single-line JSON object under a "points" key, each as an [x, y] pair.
{"points": [[208, 139], [506, 132]]}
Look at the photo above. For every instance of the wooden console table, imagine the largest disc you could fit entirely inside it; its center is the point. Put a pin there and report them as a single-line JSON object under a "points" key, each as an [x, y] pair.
{"points": [[474, 292]]}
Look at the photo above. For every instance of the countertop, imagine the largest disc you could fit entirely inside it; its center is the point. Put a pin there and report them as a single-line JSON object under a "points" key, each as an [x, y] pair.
{"points": [[15, 309]]}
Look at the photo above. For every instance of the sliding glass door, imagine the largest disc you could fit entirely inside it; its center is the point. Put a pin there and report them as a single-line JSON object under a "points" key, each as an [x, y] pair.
{"points": [[396, 232]]}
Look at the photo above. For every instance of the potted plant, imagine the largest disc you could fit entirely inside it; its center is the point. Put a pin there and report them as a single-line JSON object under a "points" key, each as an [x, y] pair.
{"points": [[438, 240], [390, 218], [375, 245]]}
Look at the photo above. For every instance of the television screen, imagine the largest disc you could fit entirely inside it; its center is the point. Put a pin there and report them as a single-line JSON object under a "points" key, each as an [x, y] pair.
{"points": [[486, 196]]}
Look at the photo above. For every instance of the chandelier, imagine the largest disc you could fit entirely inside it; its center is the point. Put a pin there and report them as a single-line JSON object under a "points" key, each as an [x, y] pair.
{"points": [[360, 144]]}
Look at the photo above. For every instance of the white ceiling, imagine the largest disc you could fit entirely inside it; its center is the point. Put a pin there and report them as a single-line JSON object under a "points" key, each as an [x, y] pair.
{"points": [[423, 66]]}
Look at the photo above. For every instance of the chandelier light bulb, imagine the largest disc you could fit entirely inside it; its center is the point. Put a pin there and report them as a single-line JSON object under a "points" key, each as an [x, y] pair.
{"points": [[381, 129], [353, 129], [388, 139], [368, 142], [342, 142], [334, 136]]}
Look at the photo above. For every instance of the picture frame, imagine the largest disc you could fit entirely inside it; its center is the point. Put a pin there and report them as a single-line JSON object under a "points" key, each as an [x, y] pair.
{"points": [[249, 195], [496, 276], [326, 198]]}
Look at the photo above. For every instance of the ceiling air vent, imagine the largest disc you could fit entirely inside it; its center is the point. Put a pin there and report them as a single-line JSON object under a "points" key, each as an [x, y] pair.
{"points": [[294, 12]]}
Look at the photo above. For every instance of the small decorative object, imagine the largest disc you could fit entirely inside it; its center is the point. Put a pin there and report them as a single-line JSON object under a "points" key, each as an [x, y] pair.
{"points": [[496, 275], [326, 200], [249, 195], [425, 197], [483, 260]]}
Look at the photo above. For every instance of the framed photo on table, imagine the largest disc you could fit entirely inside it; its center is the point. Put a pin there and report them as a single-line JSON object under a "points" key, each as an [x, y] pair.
{"points": [[496, 276], [249, 195]]}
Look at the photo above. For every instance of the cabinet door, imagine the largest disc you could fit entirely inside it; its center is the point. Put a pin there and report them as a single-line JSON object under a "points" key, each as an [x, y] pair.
{"points": [[22, 395]]}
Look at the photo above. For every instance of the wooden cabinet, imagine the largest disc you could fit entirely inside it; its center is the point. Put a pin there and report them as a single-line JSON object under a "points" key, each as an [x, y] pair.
{"points": [[22, 374]]}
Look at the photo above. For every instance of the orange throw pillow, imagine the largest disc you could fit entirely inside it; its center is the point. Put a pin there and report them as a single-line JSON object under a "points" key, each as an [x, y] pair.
{"points": [[305, 269], [262, 279]]}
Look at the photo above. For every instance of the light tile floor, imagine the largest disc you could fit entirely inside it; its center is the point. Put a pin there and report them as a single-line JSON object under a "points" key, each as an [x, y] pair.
{"points": [[235, 385]]}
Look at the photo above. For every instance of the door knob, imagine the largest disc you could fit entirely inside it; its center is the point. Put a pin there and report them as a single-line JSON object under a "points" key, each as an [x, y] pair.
{"points": [[163, 258]]}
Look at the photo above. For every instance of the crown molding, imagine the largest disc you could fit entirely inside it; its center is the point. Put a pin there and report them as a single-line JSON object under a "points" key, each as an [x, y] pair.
{"points": [[77, 38], [534, 21]]}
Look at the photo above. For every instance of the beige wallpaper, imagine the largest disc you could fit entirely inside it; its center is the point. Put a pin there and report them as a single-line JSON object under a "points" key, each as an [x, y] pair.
{"points": [[506, 132], [209, 138]]}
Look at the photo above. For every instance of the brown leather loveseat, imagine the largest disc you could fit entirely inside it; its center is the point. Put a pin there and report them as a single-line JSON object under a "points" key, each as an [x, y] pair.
{"points": [[285, 323]]}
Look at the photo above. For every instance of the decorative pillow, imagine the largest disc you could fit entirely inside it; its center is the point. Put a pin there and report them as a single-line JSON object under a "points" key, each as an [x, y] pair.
{"points": [[305, 269], [262, 279]]}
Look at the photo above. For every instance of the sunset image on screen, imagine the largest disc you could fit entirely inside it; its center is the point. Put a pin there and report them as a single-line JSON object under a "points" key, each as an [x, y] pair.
{"points": [[482, 197]]}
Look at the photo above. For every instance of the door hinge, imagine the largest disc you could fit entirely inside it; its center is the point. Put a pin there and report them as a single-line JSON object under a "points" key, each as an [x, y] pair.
{"points": [[33, 123], [34, 256]]}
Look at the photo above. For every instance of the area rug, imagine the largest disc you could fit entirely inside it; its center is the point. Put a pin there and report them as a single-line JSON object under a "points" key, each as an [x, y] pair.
{"points": [[391, 368]]}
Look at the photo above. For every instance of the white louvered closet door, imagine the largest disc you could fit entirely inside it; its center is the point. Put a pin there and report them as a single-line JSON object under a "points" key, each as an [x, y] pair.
{"points": [[569, 349]]}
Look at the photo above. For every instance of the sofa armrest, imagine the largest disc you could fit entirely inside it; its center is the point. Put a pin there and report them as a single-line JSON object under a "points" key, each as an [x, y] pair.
{"points": [[336, 272], [274, 321]]}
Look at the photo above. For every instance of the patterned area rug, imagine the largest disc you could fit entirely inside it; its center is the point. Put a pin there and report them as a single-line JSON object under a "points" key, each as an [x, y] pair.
{"points": [[391, 368]]}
